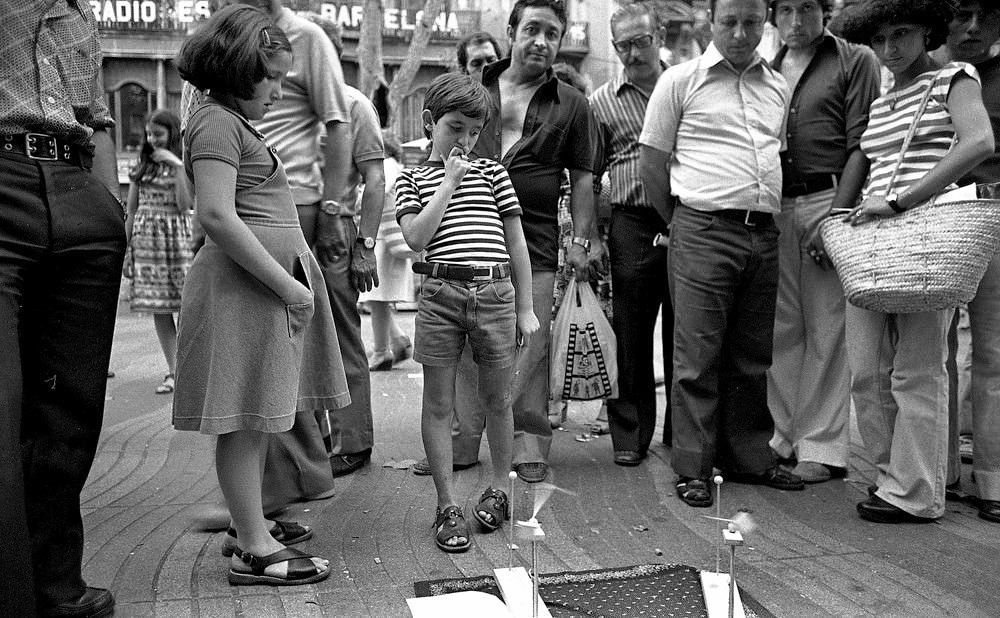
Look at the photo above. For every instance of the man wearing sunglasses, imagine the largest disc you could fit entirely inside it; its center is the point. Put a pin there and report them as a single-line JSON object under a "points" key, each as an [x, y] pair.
{"points": [[638, 263]]}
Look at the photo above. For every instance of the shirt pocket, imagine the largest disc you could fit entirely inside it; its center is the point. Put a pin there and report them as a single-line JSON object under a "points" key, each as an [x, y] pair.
{"points": [[547, 145], [299, 315]]}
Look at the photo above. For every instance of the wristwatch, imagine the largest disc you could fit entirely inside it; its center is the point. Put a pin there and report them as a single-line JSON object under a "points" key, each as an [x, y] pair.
{"points": [[583, 242], [331, 207], [893, 201], [367, 241]]}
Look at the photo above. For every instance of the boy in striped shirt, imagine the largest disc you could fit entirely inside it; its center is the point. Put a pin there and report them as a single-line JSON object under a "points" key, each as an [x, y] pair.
{"points": [[466, 216]]}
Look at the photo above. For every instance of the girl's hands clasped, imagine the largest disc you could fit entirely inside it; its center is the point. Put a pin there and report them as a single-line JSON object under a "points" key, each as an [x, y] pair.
{"points": [[873, 207]]}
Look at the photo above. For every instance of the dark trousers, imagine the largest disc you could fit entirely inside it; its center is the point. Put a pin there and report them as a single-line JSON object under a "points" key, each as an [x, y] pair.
{"points": [[62, 242], [724, 281], [640, 292]]}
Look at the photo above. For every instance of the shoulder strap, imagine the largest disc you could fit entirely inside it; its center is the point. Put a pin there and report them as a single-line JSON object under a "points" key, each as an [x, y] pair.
{"points": [[913, 129]]}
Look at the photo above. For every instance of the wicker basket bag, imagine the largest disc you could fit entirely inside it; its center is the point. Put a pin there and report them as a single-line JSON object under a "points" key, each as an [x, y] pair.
{"points": [[928, 258]]}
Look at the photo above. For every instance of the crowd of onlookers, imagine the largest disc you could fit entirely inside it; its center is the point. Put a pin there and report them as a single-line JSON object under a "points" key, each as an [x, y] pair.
{"points": [[273, 202]]}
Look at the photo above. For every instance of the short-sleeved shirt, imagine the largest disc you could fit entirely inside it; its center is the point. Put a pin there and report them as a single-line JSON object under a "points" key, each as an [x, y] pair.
{"points": [[724, 129], [828, 111], [312, 95], [471, 230], [890, 118], [619, 109], [216, 132], [366, 145], [989, 170], [557, 135], [50, 75]]}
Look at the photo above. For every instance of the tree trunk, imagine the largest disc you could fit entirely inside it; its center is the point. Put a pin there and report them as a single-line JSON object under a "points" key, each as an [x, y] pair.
{"points": [[370, 66], [402, 81]]}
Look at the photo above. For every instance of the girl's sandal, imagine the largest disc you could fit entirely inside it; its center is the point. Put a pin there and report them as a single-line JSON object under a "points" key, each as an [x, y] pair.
{"points": [[492, 509], [301, 569], [450, 524], [285, 532]]}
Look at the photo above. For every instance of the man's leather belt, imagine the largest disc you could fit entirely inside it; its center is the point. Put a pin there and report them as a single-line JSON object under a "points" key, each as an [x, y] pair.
{"points": [[461, 272], [810, 183], [749, 218], [42, 147]]}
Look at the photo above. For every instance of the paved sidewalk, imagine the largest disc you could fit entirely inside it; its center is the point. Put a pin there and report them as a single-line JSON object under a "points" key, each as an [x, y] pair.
{"points": [[153, 514]]}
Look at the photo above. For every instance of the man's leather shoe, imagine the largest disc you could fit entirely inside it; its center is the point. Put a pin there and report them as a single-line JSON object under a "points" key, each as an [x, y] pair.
{"points": [[345, 464], [990, 510], [777, 477], [532, 472], [628, 458], [95, 603], [879, 511]]}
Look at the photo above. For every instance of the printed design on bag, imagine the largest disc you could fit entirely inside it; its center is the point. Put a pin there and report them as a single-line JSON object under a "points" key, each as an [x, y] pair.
{"points": [[586, 375]]}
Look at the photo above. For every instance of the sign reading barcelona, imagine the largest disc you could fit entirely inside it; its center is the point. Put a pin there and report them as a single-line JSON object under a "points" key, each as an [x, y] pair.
{"points": [[399, 16]]}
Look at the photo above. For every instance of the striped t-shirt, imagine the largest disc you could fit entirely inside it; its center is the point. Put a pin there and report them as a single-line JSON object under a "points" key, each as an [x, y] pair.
{"points": [[471, 231], [889, 121]]}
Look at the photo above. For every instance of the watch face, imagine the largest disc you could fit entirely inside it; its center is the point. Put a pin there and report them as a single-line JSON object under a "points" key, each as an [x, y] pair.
{"points": [[368, 242]]}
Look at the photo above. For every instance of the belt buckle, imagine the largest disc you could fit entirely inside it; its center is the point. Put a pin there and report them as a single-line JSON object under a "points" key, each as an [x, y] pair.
{"points": [[746, 219], [486, 277], [33, 149]]}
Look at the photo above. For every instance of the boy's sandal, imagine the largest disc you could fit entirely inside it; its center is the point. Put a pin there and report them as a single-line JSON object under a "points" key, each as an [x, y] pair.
{"points": [[167, 386], [694, 492], [285, 532], [301, 569], [492, 509], [450, 524]]}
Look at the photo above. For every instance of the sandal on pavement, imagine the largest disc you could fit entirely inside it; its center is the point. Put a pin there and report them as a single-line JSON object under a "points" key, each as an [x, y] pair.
{"points": [[694, 492], [301, 569], [450, 524], [285, 532], [167, 386], [492, 510]]}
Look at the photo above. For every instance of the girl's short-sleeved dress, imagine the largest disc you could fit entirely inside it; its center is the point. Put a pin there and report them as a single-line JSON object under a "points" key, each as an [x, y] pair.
{"points": [[245, 359], [161, 245]]}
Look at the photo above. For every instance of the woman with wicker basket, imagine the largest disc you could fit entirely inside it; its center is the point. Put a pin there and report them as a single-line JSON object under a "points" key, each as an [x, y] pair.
{"points": [[924, 134]]}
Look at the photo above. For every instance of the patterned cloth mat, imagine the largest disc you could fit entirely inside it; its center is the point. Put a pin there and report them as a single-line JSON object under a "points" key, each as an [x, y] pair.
{"points": [[637, 591]]}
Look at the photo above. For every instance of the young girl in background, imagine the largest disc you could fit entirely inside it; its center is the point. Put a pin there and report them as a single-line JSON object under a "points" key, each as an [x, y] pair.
{"points": [[159, 232], [257, 341]]}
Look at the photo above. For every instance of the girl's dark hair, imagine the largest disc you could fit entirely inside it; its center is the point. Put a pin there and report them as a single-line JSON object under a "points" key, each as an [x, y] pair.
{"points": [[864, 20], [147, 169], [230, 51], [459, 92]]}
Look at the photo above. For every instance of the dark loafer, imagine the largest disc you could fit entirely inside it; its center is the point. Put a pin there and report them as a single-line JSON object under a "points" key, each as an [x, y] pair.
{"points": [[345, 464], [628, 458], [879, 511], [777, 477], [422, 468], [532, 472], [95, 603], [990, 510]]}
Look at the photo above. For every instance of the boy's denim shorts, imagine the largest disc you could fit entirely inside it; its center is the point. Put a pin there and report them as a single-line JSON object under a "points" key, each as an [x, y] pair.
{"points": [[449, 310]]}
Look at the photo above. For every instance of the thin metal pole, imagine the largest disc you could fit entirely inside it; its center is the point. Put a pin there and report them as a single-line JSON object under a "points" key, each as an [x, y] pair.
{"points": [[510, 532], [732, 579], [718, 513], [534, 582]]}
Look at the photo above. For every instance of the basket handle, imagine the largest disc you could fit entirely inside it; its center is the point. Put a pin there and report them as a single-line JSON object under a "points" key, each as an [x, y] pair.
{"points": [[912, 130]]}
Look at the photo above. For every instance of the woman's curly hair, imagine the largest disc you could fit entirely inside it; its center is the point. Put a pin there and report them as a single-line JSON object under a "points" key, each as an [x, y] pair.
{"points": [[864, 20]]}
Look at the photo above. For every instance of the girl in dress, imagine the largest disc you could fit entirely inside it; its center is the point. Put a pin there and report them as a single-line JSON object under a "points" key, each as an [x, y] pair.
{"points": [[257, 341], [159, 232]]}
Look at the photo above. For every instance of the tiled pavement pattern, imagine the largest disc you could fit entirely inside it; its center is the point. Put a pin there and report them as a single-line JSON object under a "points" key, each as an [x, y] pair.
{"points": [[152, 511]]}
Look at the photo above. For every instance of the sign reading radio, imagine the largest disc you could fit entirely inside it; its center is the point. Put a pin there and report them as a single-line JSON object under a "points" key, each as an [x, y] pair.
{"points": [[148, 11]]}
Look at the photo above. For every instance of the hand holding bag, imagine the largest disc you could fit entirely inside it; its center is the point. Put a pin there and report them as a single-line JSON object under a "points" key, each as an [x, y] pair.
{"points": [[928, 258], [583, 351]]}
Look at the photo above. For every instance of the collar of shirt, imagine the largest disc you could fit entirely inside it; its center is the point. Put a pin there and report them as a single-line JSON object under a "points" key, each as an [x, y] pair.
{"points": [[491, 76], [828, 44], [712, 57], [620, 81]]}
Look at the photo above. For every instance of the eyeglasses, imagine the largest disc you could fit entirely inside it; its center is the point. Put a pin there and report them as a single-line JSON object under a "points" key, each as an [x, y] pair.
{"points": [[639, 42]]}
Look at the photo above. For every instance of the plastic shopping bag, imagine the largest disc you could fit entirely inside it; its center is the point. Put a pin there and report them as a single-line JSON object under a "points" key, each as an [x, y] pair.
{"points": [[583, 352]]}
